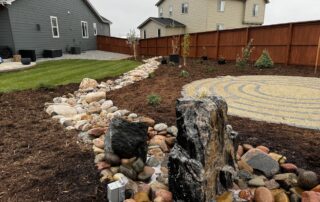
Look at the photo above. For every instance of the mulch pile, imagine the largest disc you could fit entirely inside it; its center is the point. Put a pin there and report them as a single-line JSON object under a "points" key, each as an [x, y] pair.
{"points": [[41, 161]]}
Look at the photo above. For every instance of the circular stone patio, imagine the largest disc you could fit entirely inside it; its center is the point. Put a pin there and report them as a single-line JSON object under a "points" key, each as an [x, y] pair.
{"points": [[277, 99]]}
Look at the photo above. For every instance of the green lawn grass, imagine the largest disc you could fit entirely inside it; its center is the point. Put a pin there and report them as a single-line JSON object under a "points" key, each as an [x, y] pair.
{"points": [[61, 72]]}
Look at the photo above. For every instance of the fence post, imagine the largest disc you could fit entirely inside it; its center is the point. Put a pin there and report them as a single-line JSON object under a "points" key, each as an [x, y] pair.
{"points": [[289, 44], [167, 46], [157, 46], [218, 44], [196, 46]]}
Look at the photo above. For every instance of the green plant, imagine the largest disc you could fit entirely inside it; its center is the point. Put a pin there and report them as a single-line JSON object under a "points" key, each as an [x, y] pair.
{"points": [[203, 93], [186, 48], [264, 60], [184, 74], [211, 69], [153, 99], [151, 75], [133, 41], [246, 54]]}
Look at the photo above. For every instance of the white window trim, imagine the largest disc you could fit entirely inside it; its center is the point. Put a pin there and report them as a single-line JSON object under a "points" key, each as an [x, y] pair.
{"points": [[255, 12], [170, 10], [52, 27], [220, 26], [95, 29], [220, 3], [85, 37], [182, 8], [160, 11]]}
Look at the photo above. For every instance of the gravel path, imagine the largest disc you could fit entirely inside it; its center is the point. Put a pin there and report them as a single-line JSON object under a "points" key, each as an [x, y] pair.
{"points": [[277, 99]]}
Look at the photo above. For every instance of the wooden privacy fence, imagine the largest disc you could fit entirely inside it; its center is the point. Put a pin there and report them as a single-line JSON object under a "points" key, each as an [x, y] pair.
{"points": [[290, 44]]}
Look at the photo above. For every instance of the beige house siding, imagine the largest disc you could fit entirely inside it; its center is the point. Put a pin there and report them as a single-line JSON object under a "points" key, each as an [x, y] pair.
{"points": [[152, 27], [249, 18], [203, 15]]}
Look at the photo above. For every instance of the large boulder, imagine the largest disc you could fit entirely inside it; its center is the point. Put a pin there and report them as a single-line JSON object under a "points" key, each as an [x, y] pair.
{"points": [[201, 164], [61, 109], [87, 83], [262, 162], [95, 97], [127, 139]]}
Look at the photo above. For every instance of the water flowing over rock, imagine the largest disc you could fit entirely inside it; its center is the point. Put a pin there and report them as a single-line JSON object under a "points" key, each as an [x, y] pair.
{"points": [[127, 139], [204, 149]]}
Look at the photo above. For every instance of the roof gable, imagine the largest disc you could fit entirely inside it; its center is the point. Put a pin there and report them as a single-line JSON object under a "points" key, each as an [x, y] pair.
{"points": [[166, 22]]}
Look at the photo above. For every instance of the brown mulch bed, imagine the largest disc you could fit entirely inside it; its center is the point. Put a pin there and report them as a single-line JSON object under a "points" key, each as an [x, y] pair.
{"points": [[40, 161]]}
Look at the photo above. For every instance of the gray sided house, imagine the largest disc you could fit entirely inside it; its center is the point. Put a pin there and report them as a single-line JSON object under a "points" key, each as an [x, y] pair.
{"points": [[51, 24]]}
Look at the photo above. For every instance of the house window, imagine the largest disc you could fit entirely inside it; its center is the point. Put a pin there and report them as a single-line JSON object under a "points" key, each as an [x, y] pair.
{"points": [[159, 32], [221, 5], [220, 27], [54, 27], [144, 34], [95, 30], [255, 10], [184, 8], [161, 12], [170, 10], [84, 29]]}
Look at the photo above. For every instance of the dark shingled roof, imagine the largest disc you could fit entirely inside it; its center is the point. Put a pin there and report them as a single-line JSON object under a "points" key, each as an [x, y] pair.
{"points": [[166, 22]]}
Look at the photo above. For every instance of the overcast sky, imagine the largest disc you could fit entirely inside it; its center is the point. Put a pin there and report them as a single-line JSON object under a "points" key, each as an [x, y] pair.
{"points": [[128, 14]]}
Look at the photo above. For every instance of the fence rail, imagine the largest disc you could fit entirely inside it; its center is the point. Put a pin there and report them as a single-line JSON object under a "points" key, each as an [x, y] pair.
{"points": [[290, 44]]}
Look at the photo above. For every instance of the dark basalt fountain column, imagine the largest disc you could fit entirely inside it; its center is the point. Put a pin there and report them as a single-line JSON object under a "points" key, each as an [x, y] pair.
{"points": [[202, 162]]}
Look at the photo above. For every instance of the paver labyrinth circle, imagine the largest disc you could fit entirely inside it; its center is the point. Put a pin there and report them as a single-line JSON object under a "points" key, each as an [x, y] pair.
{"points": [[277, 99]]}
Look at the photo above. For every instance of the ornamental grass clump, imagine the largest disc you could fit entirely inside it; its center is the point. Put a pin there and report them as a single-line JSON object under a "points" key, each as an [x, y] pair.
{"points": [[154, 99], [184, 74], [264, 61], [186, 48], [243, 61]]}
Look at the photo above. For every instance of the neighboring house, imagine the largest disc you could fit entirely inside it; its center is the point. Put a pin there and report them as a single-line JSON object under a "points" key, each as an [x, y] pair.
{"points": [[190, 16], [50, 24]]}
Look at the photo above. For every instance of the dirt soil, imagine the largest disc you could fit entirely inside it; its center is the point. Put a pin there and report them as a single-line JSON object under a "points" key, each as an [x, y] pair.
{"points": [[40, 161]]}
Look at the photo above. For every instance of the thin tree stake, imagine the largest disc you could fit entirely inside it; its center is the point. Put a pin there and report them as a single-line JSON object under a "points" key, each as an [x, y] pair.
{"points": [[317, 58]]}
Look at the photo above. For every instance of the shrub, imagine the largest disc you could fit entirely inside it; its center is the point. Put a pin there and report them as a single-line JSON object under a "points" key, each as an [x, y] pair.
{"points": [[264, 60], [246, 54], [184, 74], [185, 48], [151, 75], [211, 69], [154, 99], [203, 93]]}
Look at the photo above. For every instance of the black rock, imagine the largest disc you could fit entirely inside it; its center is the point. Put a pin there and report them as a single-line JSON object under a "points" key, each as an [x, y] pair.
{"points": [[127, 139], [307, 180], [204, 147], [138, 165]]}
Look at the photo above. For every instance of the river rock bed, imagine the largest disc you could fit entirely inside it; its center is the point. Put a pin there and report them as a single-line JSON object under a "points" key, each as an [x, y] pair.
{"points": [[260, 175]]}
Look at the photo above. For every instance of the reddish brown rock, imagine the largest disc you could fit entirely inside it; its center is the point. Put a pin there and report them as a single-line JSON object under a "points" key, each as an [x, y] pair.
{"points": [[316, 189], [157, 140], [263, 149], [244, 166], [141, 197], [246, 194], [164, 133], [289, 168], [97, 132], [247, 147], [102, 165], [310, 196], [170, 141], [164, 194], [151, 134], [240, 150], [129, 200], [143, 187], [263, 194], [98, 143], [148, 121]]}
